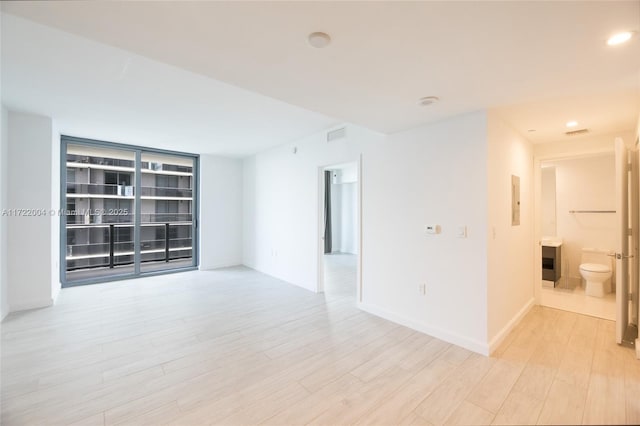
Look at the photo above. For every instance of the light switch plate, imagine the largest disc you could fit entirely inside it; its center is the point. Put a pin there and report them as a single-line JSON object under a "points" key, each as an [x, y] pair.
{"points": [[462, 231], [432, 229]]}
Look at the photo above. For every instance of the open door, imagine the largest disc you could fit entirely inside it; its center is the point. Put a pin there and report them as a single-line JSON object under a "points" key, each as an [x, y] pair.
{"points": [[634, 285], [634, 198], [627, 245], [622, 240]]}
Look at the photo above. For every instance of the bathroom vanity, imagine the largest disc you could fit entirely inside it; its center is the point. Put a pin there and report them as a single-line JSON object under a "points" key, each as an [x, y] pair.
{"points": [[551, 262]]}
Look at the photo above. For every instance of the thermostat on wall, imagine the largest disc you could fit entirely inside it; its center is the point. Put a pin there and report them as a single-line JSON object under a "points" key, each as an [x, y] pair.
{"points": [[432, 229]]}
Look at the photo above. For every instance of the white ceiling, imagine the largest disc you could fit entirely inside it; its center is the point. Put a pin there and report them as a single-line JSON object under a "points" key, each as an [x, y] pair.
{"points": [[101, 92], [540, 63]]}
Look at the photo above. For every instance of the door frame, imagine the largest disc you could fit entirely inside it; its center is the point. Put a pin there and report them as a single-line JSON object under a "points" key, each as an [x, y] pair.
{"points": [[320, 231], [537, 214]]}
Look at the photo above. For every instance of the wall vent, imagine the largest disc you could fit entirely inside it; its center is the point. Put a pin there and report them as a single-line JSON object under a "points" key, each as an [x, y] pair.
{"points": [[336, 134], [577, 132]]}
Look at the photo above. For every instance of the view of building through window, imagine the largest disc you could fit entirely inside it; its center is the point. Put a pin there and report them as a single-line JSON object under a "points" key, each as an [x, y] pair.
{"points": [[101, 224]]}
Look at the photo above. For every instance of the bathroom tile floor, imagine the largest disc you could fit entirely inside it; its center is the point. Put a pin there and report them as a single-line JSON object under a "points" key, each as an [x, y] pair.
{"points": [[235, 346], [576, 300]]}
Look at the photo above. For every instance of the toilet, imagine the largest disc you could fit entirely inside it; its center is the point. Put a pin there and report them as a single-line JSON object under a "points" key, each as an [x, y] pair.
{"points": [[596, 267]]}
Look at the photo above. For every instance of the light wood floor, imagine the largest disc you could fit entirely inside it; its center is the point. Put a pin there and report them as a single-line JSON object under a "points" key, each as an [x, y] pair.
{"points": [[238, 347]]}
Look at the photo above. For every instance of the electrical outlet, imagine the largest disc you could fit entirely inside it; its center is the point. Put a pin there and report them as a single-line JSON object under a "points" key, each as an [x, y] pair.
{"points": [[422, 288]]}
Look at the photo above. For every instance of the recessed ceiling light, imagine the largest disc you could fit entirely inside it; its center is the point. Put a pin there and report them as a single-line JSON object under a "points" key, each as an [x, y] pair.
{"points": [[319, 39], [572, 123], [428, 100], [619, 38]]}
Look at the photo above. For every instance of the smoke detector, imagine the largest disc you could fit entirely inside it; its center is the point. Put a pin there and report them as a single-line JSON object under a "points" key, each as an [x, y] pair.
{"points": [[319, 39], [428, 100]]}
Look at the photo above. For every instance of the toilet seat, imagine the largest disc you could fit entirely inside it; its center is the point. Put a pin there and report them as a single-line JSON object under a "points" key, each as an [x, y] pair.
{"points": [[594, 267]]}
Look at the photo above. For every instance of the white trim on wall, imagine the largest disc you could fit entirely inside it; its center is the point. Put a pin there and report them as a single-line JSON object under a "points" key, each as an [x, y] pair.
{"points": [[473, 345], [31, 304], [502, 334]]}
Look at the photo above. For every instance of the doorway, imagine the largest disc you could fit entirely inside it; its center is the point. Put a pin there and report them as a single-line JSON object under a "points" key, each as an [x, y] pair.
{"points": [[578, 221], [339, 254], [588, 223]]}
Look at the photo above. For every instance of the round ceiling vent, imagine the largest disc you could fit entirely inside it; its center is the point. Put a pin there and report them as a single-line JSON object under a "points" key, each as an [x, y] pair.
{"points": [[319, 39]]}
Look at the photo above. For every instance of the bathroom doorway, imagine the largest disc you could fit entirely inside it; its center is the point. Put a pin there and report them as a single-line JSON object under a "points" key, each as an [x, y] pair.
{"points": [[588, 212], [339, 254], [578, 221]]}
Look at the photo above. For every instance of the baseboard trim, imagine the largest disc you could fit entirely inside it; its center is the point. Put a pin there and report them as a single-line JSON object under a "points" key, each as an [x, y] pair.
{"points": [[502, 334], [33, 304], [220, 265], [312, 288], [342, 251], [447, 336]]}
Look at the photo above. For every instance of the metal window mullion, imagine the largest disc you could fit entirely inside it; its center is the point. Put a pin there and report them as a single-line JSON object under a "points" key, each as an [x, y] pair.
{"points": [[195, 216], [63, 216], [137, 257]]}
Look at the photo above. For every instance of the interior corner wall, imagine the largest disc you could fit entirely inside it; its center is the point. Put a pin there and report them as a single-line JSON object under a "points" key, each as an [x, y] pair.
{"points": [[4, 166], [31, 235], [220, 212], [434, 174], [282, 202], [510, 247]]}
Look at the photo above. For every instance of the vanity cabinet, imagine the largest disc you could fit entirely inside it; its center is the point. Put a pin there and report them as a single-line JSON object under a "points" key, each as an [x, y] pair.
{"points": [[551, 262]]}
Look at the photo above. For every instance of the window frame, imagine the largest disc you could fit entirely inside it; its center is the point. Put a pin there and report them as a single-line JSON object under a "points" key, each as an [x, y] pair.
{"points": [[138, 151]]}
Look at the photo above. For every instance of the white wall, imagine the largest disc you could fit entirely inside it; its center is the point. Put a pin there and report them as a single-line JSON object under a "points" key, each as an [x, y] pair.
{"points": [[511, 248], [548, 201], [576, 146], [4, 168], [336, 217], [344, 217], [220, 212], [33, 240], [432, 174], [349, 218], [282, 203], [585, 183]]}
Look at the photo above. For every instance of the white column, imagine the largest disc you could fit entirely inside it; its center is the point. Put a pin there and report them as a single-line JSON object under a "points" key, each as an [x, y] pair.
{"points": [[4, 283], [33, 186]]}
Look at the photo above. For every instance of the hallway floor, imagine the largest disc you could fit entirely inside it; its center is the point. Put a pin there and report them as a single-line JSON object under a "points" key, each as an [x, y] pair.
{"points": [[340, 275], [235, 346]]}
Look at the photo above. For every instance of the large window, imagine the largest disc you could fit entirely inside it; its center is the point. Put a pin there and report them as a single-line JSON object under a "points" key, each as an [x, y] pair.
{"points": [[129, 211]]}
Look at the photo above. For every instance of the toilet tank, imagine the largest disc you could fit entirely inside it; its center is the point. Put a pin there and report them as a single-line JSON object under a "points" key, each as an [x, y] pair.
{"points": [[594, 255]]}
